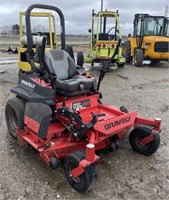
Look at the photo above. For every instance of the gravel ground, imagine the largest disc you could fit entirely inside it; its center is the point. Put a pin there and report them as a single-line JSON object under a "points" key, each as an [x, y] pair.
{"points": [[123, 174]]}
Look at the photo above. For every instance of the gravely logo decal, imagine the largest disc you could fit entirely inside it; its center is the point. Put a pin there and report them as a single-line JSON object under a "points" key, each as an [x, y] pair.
{"points": [[117, 123], [31, 85]]}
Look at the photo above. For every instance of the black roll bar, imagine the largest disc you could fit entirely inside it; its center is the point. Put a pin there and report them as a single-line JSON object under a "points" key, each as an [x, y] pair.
{"points": [[28, 25]]}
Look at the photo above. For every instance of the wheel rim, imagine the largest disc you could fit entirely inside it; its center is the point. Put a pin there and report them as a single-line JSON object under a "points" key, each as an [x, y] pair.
{"points": [[13, 119]]}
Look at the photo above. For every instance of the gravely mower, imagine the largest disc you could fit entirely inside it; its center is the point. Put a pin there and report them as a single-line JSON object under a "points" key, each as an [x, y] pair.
{"points": [[59, 113], [104, 36]]}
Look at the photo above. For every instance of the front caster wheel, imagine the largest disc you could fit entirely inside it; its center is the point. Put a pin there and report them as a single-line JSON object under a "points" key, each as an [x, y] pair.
{"points": [[140, 133], [54, 163], [85, 181]]}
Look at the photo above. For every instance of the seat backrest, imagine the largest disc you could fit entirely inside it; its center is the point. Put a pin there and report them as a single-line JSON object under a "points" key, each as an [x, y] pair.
{"points": [[60, 63]]}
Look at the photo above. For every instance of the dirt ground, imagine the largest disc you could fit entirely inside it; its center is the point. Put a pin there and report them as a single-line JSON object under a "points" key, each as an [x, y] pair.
{"points": [[123, 174]]}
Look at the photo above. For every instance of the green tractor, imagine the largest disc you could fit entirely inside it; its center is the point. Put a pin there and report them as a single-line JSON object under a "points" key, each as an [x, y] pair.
{"points": [[104, 36]]}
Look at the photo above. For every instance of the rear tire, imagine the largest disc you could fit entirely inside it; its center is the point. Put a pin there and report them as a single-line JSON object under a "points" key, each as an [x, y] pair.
{"points": [[14, 114], [80, 59], [138, 57], [85, 181], [126, 51], [139, 133]]}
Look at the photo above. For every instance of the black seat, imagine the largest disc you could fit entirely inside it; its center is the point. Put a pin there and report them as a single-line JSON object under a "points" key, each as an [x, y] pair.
{"points": [[68, 81]]}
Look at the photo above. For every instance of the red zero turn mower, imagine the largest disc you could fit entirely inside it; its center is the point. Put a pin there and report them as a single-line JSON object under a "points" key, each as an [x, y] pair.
{"points": [[59, 113]]}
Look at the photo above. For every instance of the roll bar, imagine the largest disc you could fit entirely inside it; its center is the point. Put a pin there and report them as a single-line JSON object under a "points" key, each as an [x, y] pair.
{"points": [[28, 25]]}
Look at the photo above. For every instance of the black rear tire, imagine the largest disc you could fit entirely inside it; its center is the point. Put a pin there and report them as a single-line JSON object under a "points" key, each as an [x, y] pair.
{"points": [[14, 114], [85, 181], [138, 57], [80, 58], [126, 51], [140, 133]]}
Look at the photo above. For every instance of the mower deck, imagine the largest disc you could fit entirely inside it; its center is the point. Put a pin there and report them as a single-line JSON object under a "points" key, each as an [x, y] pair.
{"points": [[59, 142]]}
